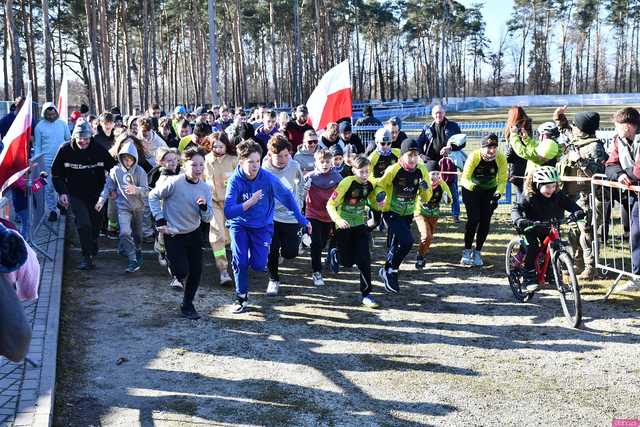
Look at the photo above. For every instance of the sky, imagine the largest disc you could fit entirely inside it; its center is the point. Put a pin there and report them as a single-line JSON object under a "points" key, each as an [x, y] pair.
{"points": [[496, 13]]}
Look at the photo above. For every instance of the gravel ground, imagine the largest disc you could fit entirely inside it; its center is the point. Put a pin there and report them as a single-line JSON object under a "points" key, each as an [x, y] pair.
{"points": [[453, 348]]}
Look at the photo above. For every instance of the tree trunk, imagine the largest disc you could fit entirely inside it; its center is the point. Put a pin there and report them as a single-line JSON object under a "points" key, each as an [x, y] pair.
{"points": [[91, 28], [5, 58], [127, 60], [48, 80], [16, 59], [105, 50]]}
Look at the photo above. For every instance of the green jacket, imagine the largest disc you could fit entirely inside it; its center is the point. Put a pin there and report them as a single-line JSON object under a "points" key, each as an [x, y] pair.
{"points": [[485, 175], [537, 153], [402, 188], [350, 200]]}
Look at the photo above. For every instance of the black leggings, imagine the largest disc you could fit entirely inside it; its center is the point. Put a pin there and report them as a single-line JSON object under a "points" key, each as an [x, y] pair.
{"points": [[184, 254], [88, 223], [353, 248], [320, 233], [535, 236], [479, 212], [285, 242]]}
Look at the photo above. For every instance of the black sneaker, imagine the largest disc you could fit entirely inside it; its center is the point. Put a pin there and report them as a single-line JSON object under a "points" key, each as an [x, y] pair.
{"points": [[334, 266], [86, 264], [189, 311], [390, 279], [53, 216], [113, 234], [420, 263]]}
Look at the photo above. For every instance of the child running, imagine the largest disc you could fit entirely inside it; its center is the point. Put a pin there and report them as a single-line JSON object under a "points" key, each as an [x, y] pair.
{"points": [[484, 180], [320, 185], [179, 205], [220, 164], [249, 208], [427, 214], [402, 183], [347, 208], [286, 231], [542, 201], [128, 181], [168, 165], [381, 158]]}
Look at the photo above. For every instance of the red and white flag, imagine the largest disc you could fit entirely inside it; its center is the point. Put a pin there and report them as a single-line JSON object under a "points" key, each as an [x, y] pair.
{"points": [[63, 100], [14, 158], [331, 99]]}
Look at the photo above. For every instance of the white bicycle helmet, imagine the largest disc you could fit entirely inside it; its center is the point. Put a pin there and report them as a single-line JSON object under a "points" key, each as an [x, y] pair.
{"points": [[546, 175], [549, 128], [458, 140], [382, 135]]}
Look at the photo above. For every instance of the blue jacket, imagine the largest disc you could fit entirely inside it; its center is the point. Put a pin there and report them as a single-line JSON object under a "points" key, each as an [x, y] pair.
{"points": [[240, 189], [428, 144]]}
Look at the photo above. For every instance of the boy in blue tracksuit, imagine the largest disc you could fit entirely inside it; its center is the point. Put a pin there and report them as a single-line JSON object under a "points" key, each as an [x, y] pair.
{"points": [[249, 207]]}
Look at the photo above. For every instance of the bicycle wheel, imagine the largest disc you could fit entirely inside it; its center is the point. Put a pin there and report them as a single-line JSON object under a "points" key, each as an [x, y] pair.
{"points": [[568, 287], [513, 263]]}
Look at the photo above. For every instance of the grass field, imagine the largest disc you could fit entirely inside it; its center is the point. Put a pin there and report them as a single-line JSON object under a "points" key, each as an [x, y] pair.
{"points": [[538, 114]]}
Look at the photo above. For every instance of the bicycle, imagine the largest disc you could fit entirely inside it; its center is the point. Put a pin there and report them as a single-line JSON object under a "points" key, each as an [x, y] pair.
{"points": [[552, 252]]}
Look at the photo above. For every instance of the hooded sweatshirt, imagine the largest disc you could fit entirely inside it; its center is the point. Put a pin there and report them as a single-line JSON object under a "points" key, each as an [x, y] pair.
{"points": [[240, 189], [306, 159], [153, 143], [291, 177], [119, 177], [80, 173], [49, 136]]}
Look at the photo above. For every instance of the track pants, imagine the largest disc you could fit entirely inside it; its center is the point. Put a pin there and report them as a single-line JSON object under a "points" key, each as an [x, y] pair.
{"points": [[285, 242], [399, 238], [320, 233], [479, 212], [88, 223], [427, 228], [184, 254], [249, 248], [353, 248]]}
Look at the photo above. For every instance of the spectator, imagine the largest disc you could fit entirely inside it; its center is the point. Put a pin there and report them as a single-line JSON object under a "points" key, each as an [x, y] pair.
{"points": [[516, 119], [434, 145], [8, 119], [624, 166], [165, 131], [151, 141], [265, 129], [367, 118], [297, 126], [50, 133], [348, 137], [330, 137]]}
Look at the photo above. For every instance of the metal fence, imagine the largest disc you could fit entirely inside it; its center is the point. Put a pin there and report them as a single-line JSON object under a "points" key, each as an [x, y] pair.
{"points": [[37, 204], [613, 244]]}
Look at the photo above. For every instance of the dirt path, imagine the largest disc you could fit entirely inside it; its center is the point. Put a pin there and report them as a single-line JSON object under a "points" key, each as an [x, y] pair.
{"points": [[453, 348]]}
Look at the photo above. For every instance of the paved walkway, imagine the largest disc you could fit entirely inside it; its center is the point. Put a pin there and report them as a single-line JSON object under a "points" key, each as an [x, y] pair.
{"points": [[26, 391]]}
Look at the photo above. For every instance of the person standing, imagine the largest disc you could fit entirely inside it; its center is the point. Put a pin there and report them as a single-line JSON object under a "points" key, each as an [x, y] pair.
{"points": [[50, 133], [433, 144], [78, 171]]}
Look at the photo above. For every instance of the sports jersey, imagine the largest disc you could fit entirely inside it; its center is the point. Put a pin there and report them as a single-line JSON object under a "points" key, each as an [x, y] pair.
{"points": [[349, 201]]}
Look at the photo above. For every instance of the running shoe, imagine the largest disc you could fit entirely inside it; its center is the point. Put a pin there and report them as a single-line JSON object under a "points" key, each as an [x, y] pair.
{"points": [[420, 263], [477, 259], [317, 279], [272, 288], [225, 279], [390, 279], [176, 284], [132, 266], [240, 305], [467, 257], [333, 261], [189, 311], [369, 302]]}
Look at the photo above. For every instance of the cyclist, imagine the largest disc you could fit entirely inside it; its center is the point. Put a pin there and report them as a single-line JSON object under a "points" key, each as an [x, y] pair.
{"points": [[542, 201]]}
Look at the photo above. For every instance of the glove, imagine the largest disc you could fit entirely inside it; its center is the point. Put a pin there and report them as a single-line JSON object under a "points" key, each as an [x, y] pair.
{"points": [[494, 201], [423, 185], [577, 216], [523, 223]]}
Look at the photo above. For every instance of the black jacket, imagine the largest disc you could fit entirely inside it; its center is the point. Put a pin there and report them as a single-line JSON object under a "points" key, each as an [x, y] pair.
{"points": [[540, 208], [102, 139], [81, 173], [429, 144]]}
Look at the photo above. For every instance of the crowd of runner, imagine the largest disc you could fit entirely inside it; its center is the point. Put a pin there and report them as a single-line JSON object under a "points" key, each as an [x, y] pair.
{"points": [[260, 187]]}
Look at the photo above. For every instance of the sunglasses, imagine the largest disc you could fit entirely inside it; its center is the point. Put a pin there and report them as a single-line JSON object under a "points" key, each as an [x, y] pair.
{"points": [[384, 143], [312, 141]]}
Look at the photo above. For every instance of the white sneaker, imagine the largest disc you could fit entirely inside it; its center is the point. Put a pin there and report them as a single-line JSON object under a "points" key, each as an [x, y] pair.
{"points": [[467, 257], [631, 286], [317, 279], [176, 284], [240, 305], [162, 260], [225, 279], [477, 259], [368, 301], [272, 288]]}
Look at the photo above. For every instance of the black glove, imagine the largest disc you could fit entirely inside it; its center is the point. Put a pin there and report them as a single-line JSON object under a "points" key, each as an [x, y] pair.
{"points": [[203, 206], [423, 185], [494, 201], [523, 223], [577, 216]]}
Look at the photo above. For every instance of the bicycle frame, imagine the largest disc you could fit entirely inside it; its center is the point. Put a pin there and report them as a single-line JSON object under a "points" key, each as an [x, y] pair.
{"points": [[546, 251]]}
